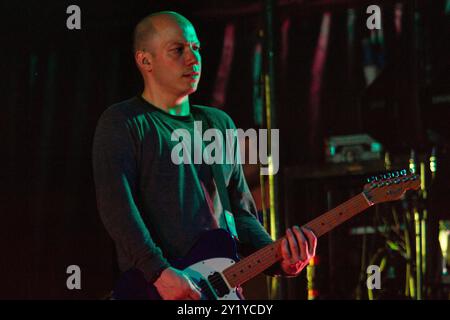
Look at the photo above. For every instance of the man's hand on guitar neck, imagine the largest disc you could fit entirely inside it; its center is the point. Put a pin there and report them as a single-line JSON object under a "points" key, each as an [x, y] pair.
{"points": [[297, 249], [173, 284]]}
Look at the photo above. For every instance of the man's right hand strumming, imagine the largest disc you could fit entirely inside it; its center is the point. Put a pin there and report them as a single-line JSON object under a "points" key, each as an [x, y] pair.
{"points": [[174, 284]]}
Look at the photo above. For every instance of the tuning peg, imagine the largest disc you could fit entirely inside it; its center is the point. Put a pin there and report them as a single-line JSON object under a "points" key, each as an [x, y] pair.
{"points": [[396, 174], [403, 172]]}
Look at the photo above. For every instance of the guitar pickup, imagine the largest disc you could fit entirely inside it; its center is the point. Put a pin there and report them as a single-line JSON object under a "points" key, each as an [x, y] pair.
{"points": [[218, 284]]}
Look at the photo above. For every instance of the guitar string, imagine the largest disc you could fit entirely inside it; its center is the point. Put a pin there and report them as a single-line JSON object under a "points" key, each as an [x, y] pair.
{"points": [[267, 251], [311, 223], [338, 214], [257, 266]]}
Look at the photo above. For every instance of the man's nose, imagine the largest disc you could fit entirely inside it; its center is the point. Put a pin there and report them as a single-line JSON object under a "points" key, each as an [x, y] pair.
{"points": [[192, 57]]}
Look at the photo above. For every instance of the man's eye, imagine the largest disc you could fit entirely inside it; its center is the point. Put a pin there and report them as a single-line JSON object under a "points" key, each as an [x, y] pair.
{"points": [[178, 50], [196, 48]]}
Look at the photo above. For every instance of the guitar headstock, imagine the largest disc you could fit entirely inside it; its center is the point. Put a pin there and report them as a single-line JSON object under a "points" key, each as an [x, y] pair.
{"points": [[391, 186]]}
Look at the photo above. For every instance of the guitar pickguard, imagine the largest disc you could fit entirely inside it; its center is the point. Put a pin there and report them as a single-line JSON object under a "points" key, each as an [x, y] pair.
{"points": [[204, 269]]}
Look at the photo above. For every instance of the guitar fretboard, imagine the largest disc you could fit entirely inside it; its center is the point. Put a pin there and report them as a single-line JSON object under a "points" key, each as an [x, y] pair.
{"points": [[260, 260]]}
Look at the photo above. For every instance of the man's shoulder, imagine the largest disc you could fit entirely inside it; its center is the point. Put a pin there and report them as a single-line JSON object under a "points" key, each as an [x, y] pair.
{"points": [[123, 110]]}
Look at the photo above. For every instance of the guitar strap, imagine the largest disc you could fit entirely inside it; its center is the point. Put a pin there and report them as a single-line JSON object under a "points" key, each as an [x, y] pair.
{"points": [[219, 179]]}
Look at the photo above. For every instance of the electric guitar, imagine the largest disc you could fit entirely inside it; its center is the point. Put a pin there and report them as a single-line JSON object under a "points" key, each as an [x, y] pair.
{"points": [[212, 264]]}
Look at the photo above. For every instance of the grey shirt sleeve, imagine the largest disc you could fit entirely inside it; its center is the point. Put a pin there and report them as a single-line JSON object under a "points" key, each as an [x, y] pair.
{"points": [[116, 180], [249, 229]]}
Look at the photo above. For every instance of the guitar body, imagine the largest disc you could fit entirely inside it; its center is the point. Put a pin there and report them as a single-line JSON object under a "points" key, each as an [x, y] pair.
{"points": [[214, 251]]}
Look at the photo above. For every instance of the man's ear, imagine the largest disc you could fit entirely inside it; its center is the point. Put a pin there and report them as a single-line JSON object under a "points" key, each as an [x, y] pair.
{"points": [[143, 60]]}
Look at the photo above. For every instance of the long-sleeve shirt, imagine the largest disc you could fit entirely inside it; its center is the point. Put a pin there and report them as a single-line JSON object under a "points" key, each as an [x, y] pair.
{"points": [[153, 208]]}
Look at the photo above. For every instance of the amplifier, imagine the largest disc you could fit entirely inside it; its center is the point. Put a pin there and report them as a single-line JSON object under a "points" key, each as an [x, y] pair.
{"points": [[352, 148]]}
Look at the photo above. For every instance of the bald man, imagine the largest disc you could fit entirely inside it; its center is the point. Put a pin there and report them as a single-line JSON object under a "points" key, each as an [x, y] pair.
{"points": [[154, 209]]}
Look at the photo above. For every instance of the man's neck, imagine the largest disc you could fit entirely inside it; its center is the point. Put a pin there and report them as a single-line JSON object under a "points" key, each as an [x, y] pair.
{"points": [[175, 106]]}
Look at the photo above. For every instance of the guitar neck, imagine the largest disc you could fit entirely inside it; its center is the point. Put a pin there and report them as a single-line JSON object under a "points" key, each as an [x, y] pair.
{"points": [[260, 260]]}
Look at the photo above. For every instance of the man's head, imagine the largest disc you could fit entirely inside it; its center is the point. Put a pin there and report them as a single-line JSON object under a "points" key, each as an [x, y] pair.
{"points": [[166, 51]]}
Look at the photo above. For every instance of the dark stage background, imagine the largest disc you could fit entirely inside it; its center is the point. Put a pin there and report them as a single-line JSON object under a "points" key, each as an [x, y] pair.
{"points": [[56, 82]]}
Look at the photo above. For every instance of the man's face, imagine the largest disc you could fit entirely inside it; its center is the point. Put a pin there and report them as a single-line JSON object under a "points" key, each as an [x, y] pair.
{"points": [[176, 61]]}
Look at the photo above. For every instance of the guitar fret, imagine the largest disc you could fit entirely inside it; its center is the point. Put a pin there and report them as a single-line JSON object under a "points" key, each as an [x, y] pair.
{"points": [[338, 215], [259, 261]]}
